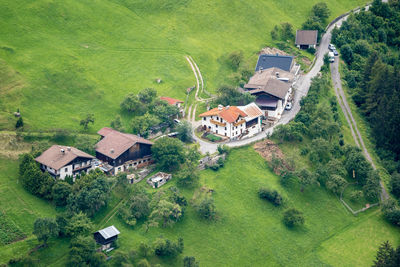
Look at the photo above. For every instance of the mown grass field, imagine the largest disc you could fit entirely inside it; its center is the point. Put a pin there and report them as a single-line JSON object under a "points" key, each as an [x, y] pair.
{"points": [[19, 209], [249, 231], [61, 60]]}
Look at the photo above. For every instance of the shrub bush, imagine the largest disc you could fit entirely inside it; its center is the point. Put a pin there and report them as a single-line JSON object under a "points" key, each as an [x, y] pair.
{"points": [[271, 195], [293, 217]]}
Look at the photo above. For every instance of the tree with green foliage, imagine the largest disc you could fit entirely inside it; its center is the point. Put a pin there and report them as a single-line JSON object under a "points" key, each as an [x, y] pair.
{"points": [[85, 122], [227, 95], [168, 153], [395, 184], [293, 217], [165, 248], [165, 112], [45, 228], [287, 33], [321, 11], [132, 104], [120, 258], [20, 123], [145, 249], [166, 213], [234, 59], [82, 252], [60, 192], [320, 151], [306, 178], [206, 208], [117, 124], [190, 261], [79, 224], [356, 162], [385, 256], [372, 187], [147, 95], [188, 176], [271, 195], [92, 196], [347, 53], [143, 263], [336, 183], [356, 196], [185, 131], [142, 124], [136, 208]]}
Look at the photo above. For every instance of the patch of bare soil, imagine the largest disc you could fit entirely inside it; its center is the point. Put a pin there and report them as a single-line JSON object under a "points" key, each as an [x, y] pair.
{"points": [[273, 51], [271, 152]]}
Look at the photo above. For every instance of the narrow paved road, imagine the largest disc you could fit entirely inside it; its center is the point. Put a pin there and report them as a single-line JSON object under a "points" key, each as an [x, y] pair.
{"points": [[302, 87]]}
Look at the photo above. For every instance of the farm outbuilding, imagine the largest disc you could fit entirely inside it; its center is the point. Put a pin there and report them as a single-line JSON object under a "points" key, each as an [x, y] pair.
{"points": [[105, 237]]}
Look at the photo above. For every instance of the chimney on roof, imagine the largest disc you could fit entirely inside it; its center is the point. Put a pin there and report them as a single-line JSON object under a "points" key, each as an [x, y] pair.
{"points": [[277, 74], [112, 150], [62, 151], [220, 107], [69, 148]]}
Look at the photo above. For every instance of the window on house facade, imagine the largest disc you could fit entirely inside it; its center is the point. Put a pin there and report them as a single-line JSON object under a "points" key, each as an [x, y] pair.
{"points": [[204, 118], [225, 128], [66, 169]]}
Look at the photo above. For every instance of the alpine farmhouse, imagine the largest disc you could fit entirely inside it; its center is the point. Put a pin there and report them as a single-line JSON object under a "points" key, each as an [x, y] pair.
{"points": [[61, 161], [121, 151]]}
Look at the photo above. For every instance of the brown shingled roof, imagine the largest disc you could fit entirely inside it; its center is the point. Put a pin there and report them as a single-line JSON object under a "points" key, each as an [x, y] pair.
{"points": [[230, 114], [115, 143], [54, 158], [306, 37], [252, 111]]}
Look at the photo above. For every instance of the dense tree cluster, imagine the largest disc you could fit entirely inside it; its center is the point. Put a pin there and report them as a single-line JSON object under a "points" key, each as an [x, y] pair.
{"points": [[163, 208], [317, 19], [293, 217], [369, 42], [387, 256], [227, 95], [335, 164], [151, 113]]}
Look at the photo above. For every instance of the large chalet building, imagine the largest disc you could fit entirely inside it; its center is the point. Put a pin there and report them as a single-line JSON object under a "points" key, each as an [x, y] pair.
{"points": [[272, 88], [122, 151], [233, 122], [61, 161]]}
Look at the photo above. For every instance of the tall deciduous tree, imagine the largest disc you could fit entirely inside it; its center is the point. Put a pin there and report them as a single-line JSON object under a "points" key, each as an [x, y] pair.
{"points": [[45, 228], [168, 153]]}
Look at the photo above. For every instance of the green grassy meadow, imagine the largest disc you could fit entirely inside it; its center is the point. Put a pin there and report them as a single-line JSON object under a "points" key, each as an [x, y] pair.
{"points": [[60, 60], [249, 231]]}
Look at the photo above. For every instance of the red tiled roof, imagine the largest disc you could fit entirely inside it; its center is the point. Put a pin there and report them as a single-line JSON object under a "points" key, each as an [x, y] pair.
{"points": [[171, 101], [230, 114], [115, 143], [252, 111], [54, 158]]}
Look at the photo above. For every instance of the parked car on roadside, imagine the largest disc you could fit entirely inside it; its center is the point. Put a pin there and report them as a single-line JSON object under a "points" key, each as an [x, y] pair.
{"points": [[288, 106], [335, 52], [331, 47]]}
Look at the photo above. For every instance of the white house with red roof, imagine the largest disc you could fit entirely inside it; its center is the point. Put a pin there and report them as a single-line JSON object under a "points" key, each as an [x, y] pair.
{"points": [[233, 122]]}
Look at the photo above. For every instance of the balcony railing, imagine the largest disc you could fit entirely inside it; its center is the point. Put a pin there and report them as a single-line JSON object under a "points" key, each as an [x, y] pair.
{"points": [[239, 122], [222, 124]]}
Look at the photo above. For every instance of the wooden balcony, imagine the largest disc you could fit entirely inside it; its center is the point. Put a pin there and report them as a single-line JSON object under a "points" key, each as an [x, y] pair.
{"points": [[222, 124], [239, 122]]}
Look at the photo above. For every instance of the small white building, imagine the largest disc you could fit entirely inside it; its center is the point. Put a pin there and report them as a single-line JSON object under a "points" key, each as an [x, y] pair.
{"points": [[159, 179], [60, 161], [233, 122]]}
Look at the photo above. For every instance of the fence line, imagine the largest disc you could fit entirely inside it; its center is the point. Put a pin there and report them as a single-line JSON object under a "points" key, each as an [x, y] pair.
{"points": [[348, 206]]}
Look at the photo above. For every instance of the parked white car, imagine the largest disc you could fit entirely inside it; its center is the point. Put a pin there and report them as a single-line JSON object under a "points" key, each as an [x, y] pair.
{"points": [[288, 106], [331, 47]]}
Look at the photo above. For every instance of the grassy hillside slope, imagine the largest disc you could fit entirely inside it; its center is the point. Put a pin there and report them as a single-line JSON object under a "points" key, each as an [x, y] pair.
{"points": [[75, 57]]}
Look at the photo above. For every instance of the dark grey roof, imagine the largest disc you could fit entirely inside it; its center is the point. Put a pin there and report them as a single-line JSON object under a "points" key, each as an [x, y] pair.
{"points": [[274, 61], [109, 232]]}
